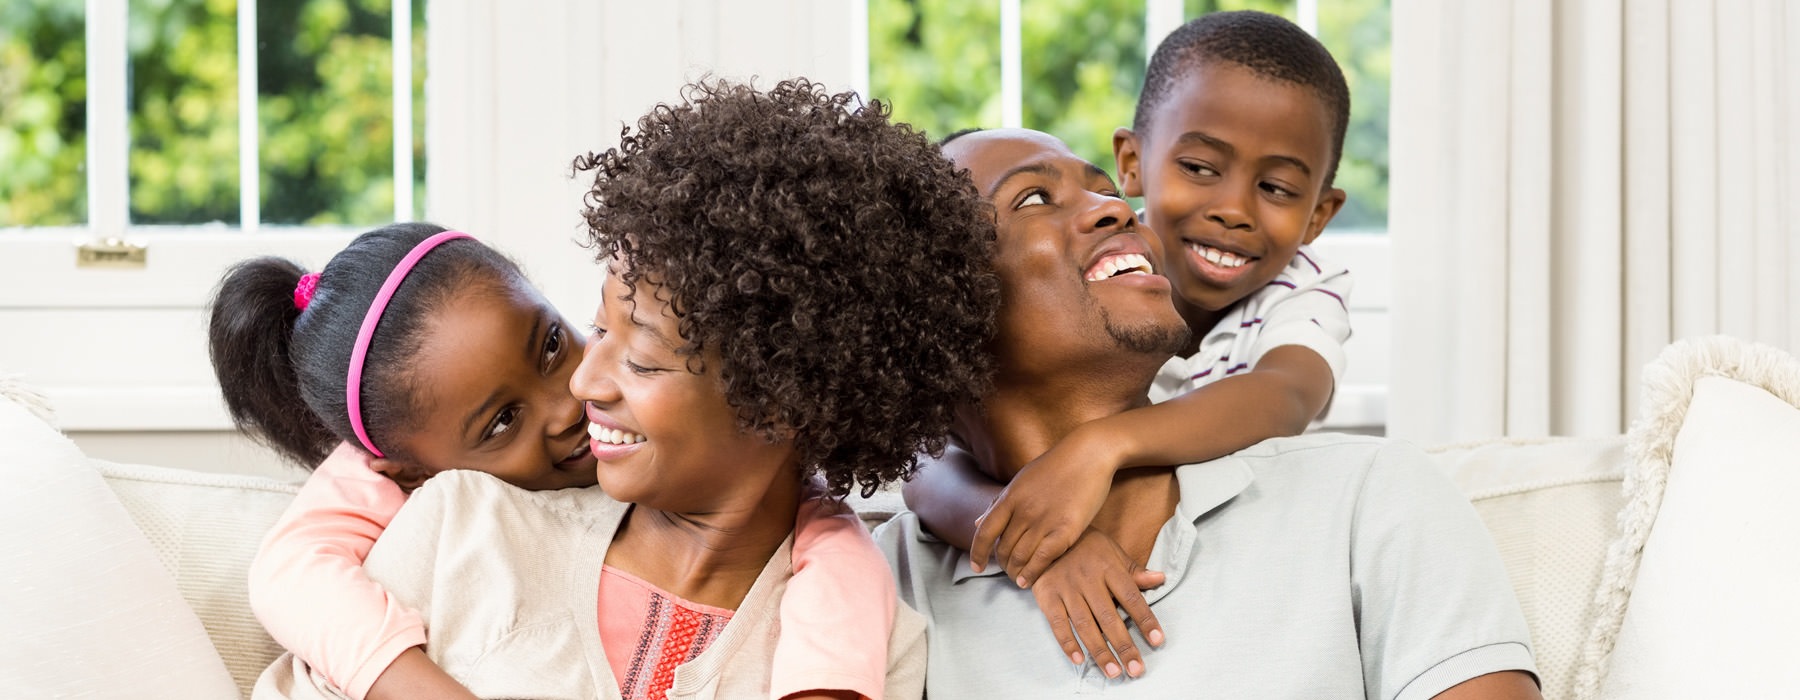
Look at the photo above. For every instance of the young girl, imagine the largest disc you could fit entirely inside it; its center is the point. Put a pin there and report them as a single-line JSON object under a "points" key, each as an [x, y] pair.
{"points": [[417, 350]]}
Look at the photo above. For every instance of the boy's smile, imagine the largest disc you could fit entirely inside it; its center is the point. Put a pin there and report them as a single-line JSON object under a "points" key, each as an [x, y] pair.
{"points": [[1233, 170]]}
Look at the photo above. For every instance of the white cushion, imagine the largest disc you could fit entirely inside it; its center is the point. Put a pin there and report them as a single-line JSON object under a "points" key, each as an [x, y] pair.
{"points": [[206, 528], [1696, 599], [89, 610], [1549, 506]]}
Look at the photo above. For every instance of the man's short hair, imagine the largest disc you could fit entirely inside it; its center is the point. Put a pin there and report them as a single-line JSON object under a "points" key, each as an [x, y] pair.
{"points": [[1268, 46]]}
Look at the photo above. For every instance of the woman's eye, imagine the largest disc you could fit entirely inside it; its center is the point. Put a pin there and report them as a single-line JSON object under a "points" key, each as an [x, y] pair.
{"points": [[1036, 197], [595, 332], [503, 422], [640, 369]]}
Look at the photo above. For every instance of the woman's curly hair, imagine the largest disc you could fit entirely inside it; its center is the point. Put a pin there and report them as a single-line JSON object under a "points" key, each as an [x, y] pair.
{"points": [[838, 263]]}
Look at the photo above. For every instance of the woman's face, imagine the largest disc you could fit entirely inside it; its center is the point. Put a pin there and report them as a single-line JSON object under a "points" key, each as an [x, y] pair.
{"points": [[660, 429]]}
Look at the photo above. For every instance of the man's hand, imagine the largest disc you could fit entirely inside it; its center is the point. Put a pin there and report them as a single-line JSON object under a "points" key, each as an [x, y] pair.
{"points": [[1081, 593], [1046, 507]]}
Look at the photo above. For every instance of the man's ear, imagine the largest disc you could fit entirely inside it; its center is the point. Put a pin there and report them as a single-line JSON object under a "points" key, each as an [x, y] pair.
{"points": [[1329, 205], [409, 476], [1126, 157]]}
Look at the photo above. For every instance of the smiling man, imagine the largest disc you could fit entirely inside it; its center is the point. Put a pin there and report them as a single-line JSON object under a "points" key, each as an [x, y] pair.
{"points": [[1317, 566]]}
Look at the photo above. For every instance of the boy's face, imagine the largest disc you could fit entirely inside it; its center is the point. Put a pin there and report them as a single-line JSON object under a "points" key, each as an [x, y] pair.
{"points": [[1232, 169]]}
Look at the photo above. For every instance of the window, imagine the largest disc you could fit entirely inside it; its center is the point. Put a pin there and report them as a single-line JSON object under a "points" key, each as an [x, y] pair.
{"points": [[1073, 68], [125, 120]]}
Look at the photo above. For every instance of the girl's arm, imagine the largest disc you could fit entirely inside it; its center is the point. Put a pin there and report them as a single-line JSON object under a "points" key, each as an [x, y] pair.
{"points": [[838, 611], [308, 588], [1051, 501]]}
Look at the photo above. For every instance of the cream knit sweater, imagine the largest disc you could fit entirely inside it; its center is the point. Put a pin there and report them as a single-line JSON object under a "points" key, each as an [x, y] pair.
{"points": [[506, 581]]}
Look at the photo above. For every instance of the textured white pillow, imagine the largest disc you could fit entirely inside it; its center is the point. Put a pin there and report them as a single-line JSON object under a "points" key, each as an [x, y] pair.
{"points": [[89, 611], [1710, 540]]}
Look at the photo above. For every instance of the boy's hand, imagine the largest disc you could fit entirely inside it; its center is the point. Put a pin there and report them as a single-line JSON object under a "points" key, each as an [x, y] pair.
{"points": [[1081, 594], [1046, 507]]}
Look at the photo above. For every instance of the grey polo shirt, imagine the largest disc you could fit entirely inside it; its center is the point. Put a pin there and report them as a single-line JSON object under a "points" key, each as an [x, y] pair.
{"points": [[1320, 566]]}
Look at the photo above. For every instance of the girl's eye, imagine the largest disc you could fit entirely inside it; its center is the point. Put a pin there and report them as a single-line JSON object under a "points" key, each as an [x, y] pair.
{"points": [[1035, 197], [553, 345], [503, 421]]}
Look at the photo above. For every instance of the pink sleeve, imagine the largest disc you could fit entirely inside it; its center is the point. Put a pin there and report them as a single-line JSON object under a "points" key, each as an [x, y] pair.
{"points": [[838, 611], [307, 584]]}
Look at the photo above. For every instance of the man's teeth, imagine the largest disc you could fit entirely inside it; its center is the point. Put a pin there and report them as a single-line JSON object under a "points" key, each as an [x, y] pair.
{"points": [[1115, 265], [613, 437], [1219, 257]]}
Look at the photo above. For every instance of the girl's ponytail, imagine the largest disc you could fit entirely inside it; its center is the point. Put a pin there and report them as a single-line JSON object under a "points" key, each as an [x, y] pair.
{"points": [[250, 338]]}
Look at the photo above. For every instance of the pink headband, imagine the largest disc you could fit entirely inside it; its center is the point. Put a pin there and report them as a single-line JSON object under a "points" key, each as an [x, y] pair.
{"points": [[303, 290], [353, 387]]}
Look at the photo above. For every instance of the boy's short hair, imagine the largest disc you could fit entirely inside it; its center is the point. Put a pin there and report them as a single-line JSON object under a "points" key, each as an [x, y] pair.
{"points": [[1267, 45]]}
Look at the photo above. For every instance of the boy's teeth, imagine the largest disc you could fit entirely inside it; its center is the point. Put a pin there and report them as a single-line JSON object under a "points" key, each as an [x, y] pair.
{"points": [[613, 437], [1114, 265], [1219, 257]]}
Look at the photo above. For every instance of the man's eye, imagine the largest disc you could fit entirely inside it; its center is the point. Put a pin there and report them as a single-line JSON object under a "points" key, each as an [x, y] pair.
{"points": [[1036, 197], [503, 422]]}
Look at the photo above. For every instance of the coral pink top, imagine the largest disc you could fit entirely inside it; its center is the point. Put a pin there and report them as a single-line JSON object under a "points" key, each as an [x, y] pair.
{"points": [[308, 588], [647, 633]]}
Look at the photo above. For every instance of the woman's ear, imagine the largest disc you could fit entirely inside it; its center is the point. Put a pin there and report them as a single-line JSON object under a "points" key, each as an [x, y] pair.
{"points": [[408, 475]]}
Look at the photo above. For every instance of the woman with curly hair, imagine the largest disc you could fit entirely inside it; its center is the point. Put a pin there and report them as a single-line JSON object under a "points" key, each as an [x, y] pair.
{"points": [[798, 290]]}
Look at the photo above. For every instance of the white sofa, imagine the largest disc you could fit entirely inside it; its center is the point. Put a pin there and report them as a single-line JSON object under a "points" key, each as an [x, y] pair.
{"points": [[128, 580]]}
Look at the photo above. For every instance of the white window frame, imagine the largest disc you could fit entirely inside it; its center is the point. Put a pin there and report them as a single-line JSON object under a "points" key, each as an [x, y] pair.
{"points": [[95, 383]]}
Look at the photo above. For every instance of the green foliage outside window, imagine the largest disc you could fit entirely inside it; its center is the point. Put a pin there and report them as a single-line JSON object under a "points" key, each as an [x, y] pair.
{"points": [[324, 103], [43, 112]]}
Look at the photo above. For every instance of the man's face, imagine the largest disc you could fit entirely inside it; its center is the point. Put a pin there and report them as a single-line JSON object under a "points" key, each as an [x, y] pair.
{"points": [[1075, 266]]}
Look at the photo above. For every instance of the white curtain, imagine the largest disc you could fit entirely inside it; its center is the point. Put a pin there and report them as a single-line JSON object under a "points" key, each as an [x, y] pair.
{"points": [[1574, 185]]}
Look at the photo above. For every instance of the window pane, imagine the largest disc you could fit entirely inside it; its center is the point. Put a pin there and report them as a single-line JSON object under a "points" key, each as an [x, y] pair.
{"points": [[1360, 35], [183, 102], [937, 62], [43, 113], [1082, 90], [325, 80]]}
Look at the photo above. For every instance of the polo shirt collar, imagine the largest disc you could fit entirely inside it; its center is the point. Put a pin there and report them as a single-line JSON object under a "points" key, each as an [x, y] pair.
{"points": [[1204, 488]]}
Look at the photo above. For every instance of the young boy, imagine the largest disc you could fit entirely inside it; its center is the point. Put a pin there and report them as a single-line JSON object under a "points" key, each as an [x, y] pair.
{"points": [[1234, 145]]}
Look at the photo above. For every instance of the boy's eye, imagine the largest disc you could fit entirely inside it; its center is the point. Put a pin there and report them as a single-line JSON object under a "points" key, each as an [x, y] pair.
{"points": [[1193, 168], [1277, 190], [503, 421], [1032, 198]]}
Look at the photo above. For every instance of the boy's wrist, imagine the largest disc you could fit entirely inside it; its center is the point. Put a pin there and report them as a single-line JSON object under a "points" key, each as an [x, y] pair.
{"points": [[1096, 443]]}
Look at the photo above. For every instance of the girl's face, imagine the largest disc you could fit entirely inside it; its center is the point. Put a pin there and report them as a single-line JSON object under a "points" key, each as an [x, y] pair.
{"points": [[494, 375], [663, 434]]}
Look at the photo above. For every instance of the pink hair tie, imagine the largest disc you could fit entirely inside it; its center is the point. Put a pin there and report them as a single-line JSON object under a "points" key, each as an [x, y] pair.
{"points": [[303, 290], [360, 351]]}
